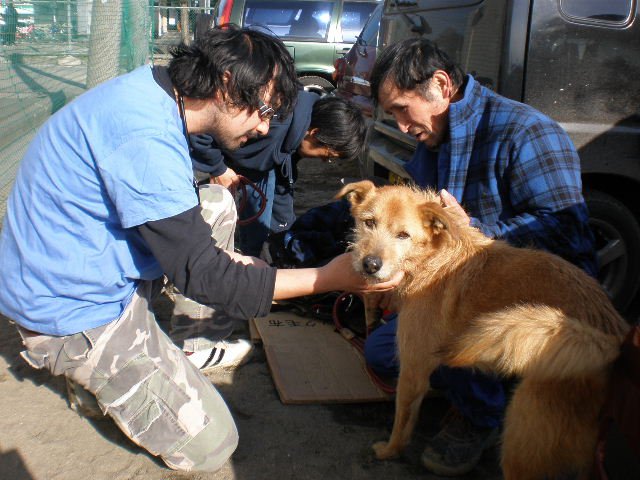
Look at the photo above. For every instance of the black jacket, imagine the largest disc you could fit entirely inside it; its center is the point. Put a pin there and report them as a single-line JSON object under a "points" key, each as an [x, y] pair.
{"points": [[271, 151], [276, 150]]}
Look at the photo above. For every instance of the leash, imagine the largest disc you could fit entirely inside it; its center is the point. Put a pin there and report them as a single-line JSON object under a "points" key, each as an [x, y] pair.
{"points": [[357, 342], [240, 193]]}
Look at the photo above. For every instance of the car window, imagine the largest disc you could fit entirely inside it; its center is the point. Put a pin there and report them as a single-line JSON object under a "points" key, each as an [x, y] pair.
{"points": [[611, 10], [354, 16], [369, 33], [308, 20]]}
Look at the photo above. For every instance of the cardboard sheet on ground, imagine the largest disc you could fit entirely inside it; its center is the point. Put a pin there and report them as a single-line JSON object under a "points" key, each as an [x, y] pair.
{"points": [[311, 363]]}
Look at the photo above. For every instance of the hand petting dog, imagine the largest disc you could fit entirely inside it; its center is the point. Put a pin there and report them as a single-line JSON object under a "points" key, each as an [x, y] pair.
{"points": [[450, 203]]}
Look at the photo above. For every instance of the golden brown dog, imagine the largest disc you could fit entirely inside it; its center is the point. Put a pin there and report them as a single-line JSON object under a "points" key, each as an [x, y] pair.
{"points": [[469, 301]]}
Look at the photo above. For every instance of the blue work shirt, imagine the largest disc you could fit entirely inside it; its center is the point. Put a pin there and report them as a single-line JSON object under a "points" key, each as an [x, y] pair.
{"points": [[516, 173], [114, 158]]}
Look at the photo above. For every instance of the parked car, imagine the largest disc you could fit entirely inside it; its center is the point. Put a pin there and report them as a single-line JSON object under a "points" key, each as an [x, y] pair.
{"points": [[315, 32], [353, 69], [574, 60]]}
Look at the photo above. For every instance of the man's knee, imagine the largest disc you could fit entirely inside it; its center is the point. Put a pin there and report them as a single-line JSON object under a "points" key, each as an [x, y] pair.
{"points": [[173, 412], [219, 211], [208, 450], [193, 431], [380, 350], [216, 202], [381, 357]]}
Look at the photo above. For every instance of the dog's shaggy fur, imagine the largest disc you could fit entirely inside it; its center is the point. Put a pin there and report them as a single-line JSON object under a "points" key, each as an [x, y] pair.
{"points": [[469, 301]]}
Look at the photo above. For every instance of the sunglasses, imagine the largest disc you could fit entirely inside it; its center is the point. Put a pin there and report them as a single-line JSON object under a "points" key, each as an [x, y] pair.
{"points": [[265, 112]]}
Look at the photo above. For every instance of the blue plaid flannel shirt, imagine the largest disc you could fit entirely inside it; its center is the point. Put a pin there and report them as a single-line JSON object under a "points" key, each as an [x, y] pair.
{"points": [[515, 171]]}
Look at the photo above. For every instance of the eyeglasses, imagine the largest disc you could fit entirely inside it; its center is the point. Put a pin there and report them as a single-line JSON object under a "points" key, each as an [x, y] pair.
{"points": [[265, 112]]}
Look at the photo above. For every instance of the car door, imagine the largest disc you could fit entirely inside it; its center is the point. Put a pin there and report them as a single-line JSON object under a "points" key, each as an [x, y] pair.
{"points": [[358, 63], [353, 17]]}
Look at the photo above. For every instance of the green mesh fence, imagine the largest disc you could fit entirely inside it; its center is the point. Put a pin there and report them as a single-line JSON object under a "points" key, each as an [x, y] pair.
{"points": [[54, 50]]}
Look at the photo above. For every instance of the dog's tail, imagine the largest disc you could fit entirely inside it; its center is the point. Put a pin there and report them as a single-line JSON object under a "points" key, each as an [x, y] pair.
{"points": [[533, 341]]}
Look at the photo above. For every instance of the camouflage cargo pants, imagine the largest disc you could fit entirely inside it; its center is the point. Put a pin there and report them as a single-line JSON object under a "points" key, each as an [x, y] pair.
{"points": [[194, 326], [140, 378]]}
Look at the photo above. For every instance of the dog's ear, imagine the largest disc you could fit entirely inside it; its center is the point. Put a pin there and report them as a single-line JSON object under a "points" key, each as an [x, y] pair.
{"points": [[435, 223], [356, 192], [436, 220]]}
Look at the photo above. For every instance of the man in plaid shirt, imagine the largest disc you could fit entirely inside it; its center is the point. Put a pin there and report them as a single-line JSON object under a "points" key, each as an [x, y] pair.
{"points": [[517, 174]]}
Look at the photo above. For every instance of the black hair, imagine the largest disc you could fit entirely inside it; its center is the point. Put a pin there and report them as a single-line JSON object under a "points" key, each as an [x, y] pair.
{"points": [[252, 58], [341, 126], [410, 64]]}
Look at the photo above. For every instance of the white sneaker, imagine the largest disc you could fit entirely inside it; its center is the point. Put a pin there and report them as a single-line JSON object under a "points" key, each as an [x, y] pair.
{"points": [[224, 354]]}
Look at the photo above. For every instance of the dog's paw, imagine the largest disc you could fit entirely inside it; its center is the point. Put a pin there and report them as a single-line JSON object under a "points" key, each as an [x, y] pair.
{"points": [[383, 452]]}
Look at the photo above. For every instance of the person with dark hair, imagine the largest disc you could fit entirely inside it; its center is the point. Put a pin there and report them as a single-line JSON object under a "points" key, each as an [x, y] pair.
{"points": [[517, 174], [10, 24], [113, 209], [327, 128]]}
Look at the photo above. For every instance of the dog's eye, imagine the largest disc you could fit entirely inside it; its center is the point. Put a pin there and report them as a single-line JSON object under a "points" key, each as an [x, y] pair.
{"points": [[403, 235], [370, 223]]}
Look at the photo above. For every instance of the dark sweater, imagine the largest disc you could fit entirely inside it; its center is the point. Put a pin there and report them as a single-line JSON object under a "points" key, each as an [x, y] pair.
{"points": [[271, 151], [275, 151]]}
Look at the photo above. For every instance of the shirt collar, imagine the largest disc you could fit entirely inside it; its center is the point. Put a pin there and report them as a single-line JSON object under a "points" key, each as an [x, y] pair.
{"points": [[462, 110]]}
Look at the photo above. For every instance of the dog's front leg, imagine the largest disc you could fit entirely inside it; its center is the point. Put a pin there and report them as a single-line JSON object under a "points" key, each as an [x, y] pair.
{"points": [[375, 303], [413, 383], [371, 310]]}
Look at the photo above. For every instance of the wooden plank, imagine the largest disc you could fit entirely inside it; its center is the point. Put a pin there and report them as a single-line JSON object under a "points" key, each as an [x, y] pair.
{"points": [[311, 363]]}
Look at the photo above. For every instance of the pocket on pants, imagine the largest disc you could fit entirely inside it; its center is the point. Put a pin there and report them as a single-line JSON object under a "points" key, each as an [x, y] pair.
{"points": [[151, 408], [59, 355], [75, 350]]}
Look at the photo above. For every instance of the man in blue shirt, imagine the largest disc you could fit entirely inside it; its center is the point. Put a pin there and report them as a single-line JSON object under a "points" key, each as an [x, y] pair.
{"points": [[516, 173], [104, 205]]}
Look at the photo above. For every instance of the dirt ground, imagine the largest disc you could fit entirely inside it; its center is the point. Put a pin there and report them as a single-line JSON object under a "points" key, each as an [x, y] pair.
{"points": [[42, 439]]}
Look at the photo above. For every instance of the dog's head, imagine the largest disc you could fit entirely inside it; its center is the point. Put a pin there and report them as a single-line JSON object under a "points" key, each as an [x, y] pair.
{"points": [[397, 227]]}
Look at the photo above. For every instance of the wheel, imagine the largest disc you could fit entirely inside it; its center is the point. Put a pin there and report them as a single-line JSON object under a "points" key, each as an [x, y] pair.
{"points": [[617, 235], [316, 84]]}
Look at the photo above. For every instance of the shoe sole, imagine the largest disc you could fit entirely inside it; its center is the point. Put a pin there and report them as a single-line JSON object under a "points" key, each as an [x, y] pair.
{"points": [[445, 471], [458, 470]]}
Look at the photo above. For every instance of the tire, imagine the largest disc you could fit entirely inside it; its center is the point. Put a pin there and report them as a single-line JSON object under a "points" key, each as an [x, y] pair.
{"points": [[319, 85], [617, 235]]}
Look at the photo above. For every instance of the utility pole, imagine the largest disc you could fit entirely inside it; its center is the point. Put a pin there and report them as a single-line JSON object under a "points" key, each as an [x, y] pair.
{"points": [[104, 41]]}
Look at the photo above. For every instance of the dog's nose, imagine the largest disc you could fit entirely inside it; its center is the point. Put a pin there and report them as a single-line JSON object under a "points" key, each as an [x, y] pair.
{"points": [[371, 264]]}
